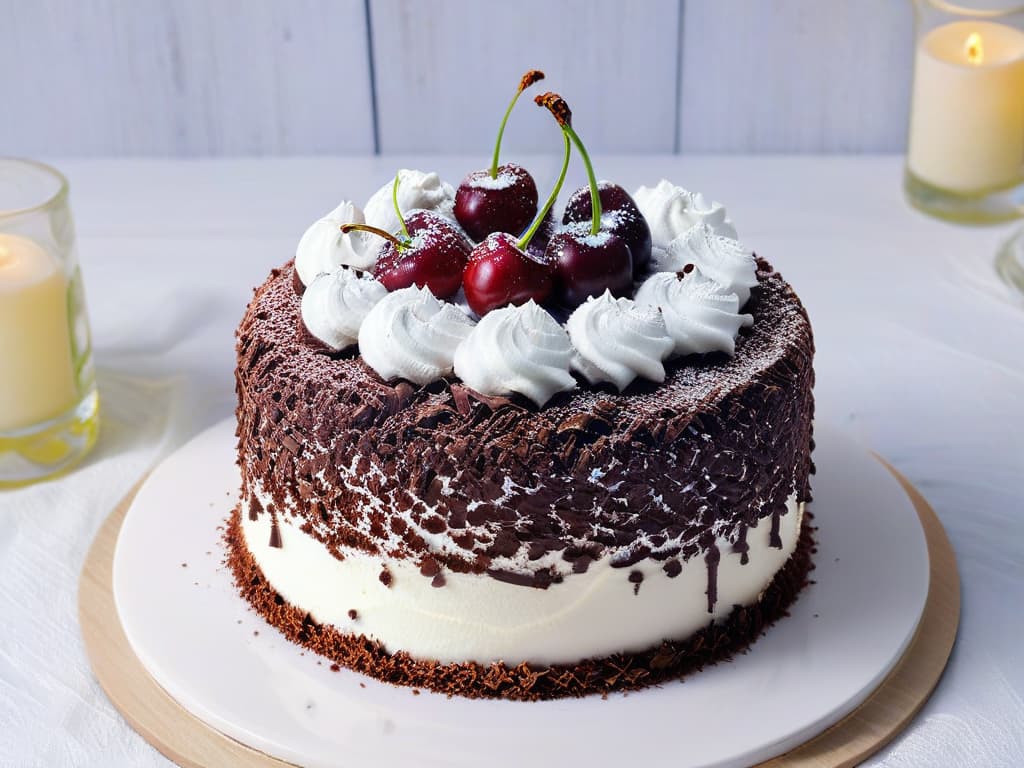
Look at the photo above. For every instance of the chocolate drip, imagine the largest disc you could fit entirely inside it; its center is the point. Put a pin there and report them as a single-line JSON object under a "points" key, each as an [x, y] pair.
{"points": [[712, 559], [429, 567], [538, 579], [636, 578], [275, 534], [741, 547], [774, 540]]}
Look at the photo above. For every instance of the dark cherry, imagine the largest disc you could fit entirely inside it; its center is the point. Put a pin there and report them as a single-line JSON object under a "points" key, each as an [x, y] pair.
{"points": [[587, 264], [619, 214], [589, 257], [502, 198], [434, 256], [507, 203], [499, 272], [613, 198]]}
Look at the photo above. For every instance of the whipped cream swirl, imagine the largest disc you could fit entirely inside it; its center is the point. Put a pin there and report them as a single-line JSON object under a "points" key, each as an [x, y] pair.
{"points": [[411, 335], [616, 341], [336, 303], [517, 349], [416, 190], [723, 259], [670, 210], [323, 247], [700, 315]]}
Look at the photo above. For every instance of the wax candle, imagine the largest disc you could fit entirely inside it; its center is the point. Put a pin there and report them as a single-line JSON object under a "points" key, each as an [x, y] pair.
{"points": [[967, 110], [37, 378]]}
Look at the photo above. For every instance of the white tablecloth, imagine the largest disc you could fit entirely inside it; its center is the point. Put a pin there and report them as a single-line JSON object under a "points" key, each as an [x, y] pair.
{"points": [[920, 355]]}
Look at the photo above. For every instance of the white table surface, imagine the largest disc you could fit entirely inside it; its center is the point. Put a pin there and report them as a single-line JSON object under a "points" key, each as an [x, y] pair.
{"points": [[920, 355]]}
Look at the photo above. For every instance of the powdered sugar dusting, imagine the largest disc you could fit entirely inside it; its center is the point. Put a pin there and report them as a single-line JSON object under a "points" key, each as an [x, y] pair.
{"points": [[503, 180], [598, 240]]}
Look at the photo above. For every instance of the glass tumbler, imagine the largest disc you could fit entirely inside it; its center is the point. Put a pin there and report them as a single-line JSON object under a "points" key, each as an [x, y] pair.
{"points": [[48, 403]]}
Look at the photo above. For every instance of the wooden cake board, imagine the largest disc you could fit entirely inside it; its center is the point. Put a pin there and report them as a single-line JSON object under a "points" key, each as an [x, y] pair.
{"points": [[192, 744]]}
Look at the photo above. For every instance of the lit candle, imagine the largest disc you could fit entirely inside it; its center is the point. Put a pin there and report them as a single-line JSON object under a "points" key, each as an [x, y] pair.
{"points": [[37, 378], [967, 112]]}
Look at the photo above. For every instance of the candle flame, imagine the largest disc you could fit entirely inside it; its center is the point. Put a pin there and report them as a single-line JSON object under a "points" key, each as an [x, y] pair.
{"points": [[974, 49], [5, 256]]}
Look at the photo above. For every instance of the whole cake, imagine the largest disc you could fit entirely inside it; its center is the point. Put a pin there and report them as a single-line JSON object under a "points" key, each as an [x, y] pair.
{"points": [[490, 454]]}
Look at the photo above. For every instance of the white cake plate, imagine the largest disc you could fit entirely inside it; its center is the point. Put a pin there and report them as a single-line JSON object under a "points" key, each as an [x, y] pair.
{"points": [[220, 661]]}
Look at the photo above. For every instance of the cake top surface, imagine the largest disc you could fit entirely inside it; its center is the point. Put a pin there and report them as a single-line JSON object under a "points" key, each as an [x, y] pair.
{"points": [[607, 299], [780, 322]]}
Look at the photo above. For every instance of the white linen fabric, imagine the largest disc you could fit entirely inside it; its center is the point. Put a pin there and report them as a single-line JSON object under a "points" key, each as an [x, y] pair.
{"points": [[920, 355]]}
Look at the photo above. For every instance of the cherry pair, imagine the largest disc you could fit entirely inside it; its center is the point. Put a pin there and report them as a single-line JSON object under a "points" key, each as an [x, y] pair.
{"points": [[604, 244]]}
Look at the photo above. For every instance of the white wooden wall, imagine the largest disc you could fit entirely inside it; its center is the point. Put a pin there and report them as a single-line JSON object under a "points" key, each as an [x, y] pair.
{"points": [[249, 77]]}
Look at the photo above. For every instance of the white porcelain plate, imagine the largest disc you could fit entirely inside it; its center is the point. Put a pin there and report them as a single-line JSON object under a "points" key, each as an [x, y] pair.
{"points": [[228, 667]]}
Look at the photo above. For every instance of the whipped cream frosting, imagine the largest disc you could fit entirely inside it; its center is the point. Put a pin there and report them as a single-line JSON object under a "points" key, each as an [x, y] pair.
{"points": [[323, 247], [336, 303], [723, 259], [616, 340], [416, 190], [517, 349], [409, 334], [670, 210], [700, 315]]}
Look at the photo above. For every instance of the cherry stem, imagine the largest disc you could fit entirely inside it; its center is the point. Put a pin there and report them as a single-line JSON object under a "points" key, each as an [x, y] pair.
{"points": [[398, 211], [346, 228], [539, 218], [529, 79], [595, 195]]}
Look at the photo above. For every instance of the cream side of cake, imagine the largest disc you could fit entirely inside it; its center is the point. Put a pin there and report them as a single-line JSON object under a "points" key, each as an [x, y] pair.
{"points": [[475, 617]]}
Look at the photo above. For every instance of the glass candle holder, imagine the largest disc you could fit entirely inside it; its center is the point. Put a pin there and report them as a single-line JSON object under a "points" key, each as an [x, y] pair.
{"points": [[1010, 262], [965, 148], [48, 403]]}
